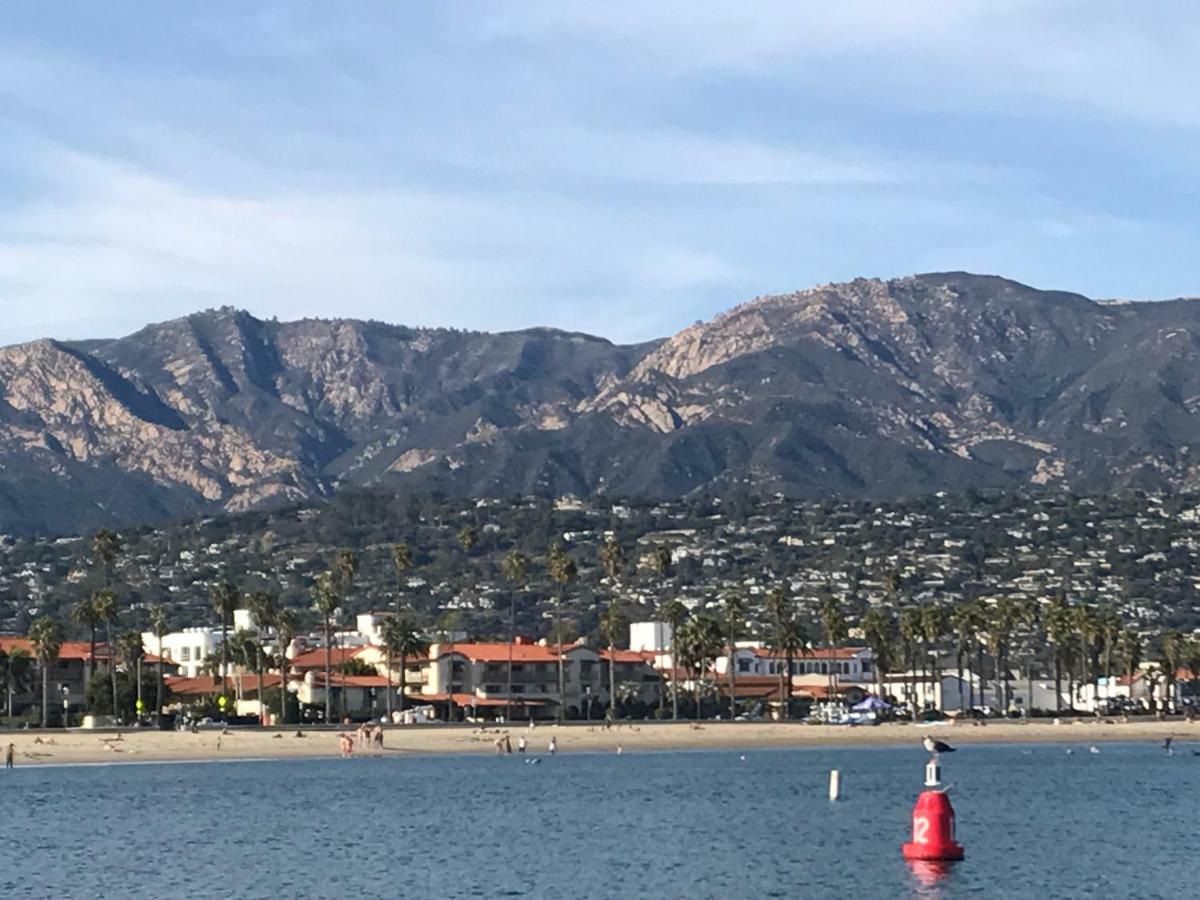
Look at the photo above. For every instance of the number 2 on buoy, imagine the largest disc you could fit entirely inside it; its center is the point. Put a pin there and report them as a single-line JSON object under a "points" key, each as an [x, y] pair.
{"points": [[920, 830]]}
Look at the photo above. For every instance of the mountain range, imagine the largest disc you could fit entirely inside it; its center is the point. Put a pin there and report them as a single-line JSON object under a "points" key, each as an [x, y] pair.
{"points": [[867, 388]]}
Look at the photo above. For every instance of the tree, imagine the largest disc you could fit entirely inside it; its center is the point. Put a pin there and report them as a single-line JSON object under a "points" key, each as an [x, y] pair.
{"points": [[833, 627], [16, 668], [612, 560], [1058, 626], [343, 572], [674, 613], [932, 627], [468, 537], [910, 631], [788, 637], [563, 571], [515, 569], [83, 612], [1171, 647], [1110, 633], [160, 627], [402, 562], [46, 635], [106, 548], [262, 609], [224, 598], [612, 623], [735, 613], [105, 604], [325, 601], [1129, 649], [131, 651], [879, 631], [401, 640], [965, 623], [700, 642], [287, 627]]}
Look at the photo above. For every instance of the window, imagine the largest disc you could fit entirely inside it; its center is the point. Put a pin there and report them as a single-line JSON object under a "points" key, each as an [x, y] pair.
{"points": [[185, 654], [199, 655], [517, 667], [743, 665]]}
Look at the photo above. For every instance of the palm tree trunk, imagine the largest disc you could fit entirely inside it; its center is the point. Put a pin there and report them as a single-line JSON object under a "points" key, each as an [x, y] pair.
{"points": [[1057, 681], [562, 682], [112, 666], [158, 687], [674, 681], [328, 672], [92, 654], [958, 659], [388, 693], [732, 680], [512, 637], [612, 680], [261, 689], [45, 695], [403, 679]]}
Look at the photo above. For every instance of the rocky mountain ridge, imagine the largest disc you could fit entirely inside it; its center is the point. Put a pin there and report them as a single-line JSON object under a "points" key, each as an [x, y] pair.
{"points": [[868, 388]]}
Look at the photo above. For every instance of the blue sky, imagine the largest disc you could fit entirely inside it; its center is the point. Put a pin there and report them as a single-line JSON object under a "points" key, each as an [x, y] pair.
{"points": [[620, 168]]}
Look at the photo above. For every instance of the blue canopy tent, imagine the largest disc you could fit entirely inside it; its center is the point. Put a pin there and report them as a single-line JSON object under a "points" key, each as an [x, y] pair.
{"points": [[871, 704]]}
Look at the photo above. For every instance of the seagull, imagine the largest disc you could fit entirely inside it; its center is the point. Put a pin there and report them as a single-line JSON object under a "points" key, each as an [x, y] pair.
{"points": [[935, 747]]}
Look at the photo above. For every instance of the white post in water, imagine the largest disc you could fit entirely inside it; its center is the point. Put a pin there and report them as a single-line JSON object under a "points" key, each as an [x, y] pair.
{"points": [[933, 773], [835, 784]]}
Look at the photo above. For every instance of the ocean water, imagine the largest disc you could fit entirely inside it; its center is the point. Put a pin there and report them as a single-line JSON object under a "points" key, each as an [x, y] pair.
{"points": [[1036, 823]]}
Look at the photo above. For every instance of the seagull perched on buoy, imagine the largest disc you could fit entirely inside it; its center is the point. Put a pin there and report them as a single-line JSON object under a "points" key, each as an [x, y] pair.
{"points": [[935, 746]]}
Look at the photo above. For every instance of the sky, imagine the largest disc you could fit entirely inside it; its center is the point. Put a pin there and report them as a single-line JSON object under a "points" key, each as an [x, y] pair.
{"points": [[620, 168]]}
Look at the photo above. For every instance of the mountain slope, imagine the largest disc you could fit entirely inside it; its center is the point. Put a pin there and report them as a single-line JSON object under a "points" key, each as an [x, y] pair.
{"points": [[871, 388]]}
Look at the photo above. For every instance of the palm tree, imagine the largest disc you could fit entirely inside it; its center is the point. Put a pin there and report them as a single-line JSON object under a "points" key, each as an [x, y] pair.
{"points": [[46, 634], [287, 626], [612, 623], [910, 630], [160, 627], [468, 537], [1087, 629], [401, 640], [106, 547], [262, 612], [105, 603], [1172, 647], [1058, 627], [674, 613], [15, 669], [132, 651], [700, 642], [402, 562], [612, 560], [964, 622], [932, 627], [84, 613], [879, 631], [515, 568], [563, 571], [735, 612], [224, 598], [789, 637], [1110, 633], [1129, 650], [326, 601], [833, 627]]}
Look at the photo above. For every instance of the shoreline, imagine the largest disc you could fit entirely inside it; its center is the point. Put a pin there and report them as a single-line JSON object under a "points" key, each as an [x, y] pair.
{"points": [[59, 748]]}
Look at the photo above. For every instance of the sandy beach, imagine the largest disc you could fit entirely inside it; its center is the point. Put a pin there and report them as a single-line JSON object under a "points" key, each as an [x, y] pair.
{"points": [[133, 745]]}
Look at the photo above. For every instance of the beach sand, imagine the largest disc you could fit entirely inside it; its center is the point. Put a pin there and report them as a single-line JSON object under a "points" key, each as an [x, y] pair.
{"points": [[144, 745]]}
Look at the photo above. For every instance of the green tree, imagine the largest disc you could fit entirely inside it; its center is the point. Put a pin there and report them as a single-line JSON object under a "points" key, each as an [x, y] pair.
{"points": [[789, 638], [563, 571], [734, 609], [700, 642], [224, 599], [515, 569], [106, 549], [401, 641], [16, 668], [1171, 652], [965, 624], [879, 632], [263, 608], [105, 604], [833, 627], [131, 651], [83, 612], [287, 627], [326, 600], [1059, 627], [160, 628], [674, 613], [612, 561], [46, 635], [932, 628]]}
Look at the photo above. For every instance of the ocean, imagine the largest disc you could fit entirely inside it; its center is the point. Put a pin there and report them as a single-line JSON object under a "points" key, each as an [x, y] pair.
{"points": [[1036, 823]]}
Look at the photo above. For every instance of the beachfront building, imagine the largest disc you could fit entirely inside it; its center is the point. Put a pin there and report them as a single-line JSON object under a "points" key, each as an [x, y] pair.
{"points": [[638, 681], [187, 649], [475, 676], [855, 665], [68, 676]]}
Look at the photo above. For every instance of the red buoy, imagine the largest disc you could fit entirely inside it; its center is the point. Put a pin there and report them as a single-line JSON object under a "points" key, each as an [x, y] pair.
{"points": [[933, 829]]}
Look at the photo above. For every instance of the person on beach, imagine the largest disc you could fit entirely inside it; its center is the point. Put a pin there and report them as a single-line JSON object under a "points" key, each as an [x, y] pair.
{"points": [[507, 744], [521, 745], [499, 744], [553, 746], [377, 737], [9, 752]]}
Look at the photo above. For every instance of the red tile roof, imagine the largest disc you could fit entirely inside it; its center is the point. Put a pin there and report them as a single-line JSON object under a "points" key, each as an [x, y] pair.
{"points": [[315, 659], [204, 686], [498, 651], [70, 649], [813, 653], [630, 656]]}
